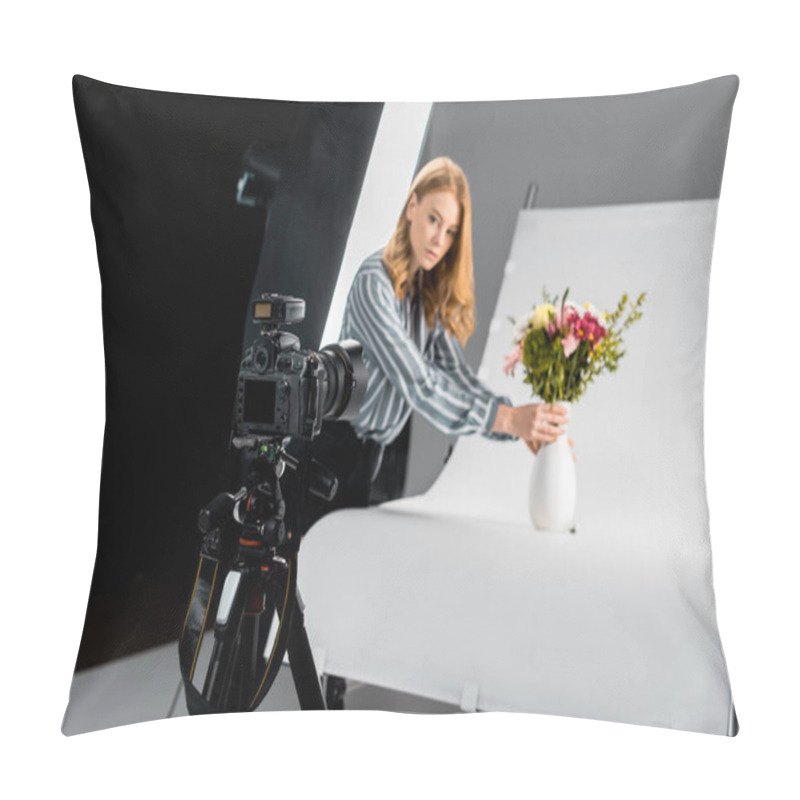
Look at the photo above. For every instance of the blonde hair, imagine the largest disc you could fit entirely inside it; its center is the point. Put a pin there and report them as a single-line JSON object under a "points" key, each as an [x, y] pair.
{"points": [[448, 291]]}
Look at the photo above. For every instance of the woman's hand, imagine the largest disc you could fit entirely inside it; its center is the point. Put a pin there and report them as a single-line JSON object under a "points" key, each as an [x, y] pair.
{"points": [[534, 422], [534, 447]]}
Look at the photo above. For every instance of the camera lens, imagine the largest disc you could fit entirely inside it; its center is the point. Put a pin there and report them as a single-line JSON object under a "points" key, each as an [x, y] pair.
{"points": [[345, 380]]}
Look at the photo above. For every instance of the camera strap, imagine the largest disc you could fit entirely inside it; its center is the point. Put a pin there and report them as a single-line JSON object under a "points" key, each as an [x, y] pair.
{"points": [[205, 584], [208, 584]]}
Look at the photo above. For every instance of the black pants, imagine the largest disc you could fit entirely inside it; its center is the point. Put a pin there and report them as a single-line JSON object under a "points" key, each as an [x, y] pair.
{"points": [[367, 472]]}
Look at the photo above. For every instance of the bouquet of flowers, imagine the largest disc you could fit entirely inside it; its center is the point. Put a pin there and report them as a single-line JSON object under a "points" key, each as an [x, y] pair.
{"points": [[563, 348]]}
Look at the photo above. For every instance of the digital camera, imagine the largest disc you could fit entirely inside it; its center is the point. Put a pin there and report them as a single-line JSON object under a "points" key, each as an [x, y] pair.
{"points": [[284, 390]]}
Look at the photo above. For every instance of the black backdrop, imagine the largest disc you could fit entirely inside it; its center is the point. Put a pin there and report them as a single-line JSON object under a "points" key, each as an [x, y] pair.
{"points": [[179, 260]]}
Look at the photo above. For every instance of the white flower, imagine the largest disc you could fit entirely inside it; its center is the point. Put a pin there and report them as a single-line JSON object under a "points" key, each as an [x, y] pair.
{"points": [[521, 327], [541, 314]]}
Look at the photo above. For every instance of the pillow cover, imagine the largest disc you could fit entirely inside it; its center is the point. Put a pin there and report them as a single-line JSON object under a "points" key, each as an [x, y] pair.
{"points": [[202, 204]]}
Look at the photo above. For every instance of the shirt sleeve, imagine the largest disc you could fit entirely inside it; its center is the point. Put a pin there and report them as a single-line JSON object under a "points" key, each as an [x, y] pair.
{"points": [[447, 404], [449, 356]]}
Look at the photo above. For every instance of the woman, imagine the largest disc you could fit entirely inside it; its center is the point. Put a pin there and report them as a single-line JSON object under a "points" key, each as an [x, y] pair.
{"points": [[411, 306]]}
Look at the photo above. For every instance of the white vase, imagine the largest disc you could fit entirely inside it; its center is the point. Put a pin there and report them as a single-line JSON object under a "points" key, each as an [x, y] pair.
{"points": [[553, 486]]}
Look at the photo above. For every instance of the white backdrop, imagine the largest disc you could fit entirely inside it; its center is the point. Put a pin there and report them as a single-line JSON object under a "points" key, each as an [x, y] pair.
{"points": [[616, 622], [335, 51]]}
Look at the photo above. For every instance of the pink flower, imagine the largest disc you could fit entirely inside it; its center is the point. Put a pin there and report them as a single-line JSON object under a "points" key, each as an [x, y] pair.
{"points": [[570, 343], [564, 323], [590, 329], [570, 315], [512, 359]]}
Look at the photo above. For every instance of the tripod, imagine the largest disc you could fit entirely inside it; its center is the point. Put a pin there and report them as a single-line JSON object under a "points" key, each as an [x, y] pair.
{"points": [[260, 584]]}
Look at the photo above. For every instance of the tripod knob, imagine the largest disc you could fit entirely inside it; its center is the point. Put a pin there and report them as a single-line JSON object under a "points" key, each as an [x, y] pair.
{"points": [[271, 531], [216, 512]]}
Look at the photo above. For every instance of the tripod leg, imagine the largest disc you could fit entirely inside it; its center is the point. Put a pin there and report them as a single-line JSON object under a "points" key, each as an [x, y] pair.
{"points": [[240, 673], [301, 661], [231, 693], [256, 622], [246, 661], [249, 653], [226, 634], [335, 690]]}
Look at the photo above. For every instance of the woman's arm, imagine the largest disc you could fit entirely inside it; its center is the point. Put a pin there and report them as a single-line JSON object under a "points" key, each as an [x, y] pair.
{"points": [[374, 320], [449, 355]]}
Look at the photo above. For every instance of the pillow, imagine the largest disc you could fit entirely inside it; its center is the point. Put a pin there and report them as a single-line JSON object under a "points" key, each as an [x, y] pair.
{"points": [[202, 204]]}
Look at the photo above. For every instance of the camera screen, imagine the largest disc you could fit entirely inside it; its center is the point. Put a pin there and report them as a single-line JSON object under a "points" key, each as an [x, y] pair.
{"points": [[259, 402]]}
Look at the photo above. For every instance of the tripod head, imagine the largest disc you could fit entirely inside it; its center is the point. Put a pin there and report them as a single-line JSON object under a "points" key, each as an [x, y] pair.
{"points": [[257, 507]]}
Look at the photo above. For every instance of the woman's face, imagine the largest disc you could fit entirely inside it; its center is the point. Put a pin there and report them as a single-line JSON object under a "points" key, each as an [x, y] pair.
{"points": [[433, 227]]}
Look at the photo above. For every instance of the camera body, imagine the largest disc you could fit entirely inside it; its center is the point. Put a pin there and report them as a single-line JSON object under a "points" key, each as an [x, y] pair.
{"points": [[284, 390]]}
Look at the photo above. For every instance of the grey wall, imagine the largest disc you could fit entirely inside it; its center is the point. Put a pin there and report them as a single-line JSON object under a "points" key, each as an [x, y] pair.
{"points": [[666, 145]]}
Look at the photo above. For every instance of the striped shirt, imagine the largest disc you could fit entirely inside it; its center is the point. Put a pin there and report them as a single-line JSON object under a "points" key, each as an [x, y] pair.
{"points": [[410, 367]]}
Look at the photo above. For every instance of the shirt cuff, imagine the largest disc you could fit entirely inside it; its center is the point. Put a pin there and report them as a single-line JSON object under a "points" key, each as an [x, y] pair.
{"points": [[493, 407]]}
